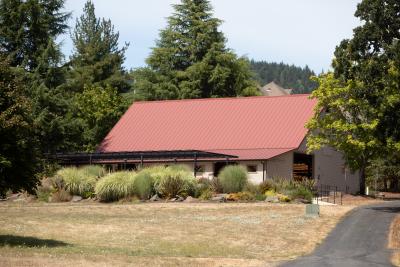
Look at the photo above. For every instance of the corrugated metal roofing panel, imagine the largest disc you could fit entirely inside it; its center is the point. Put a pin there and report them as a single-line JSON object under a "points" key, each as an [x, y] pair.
{"points": [[251, 123]]}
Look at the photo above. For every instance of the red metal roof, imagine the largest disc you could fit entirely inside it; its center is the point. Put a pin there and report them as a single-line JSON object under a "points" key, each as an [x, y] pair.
{"points": [[249, 127]]}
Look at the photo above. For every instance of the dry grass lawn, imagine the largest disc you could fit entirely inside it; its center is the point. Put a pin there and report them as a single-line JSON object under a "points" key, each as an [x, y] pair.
{"points": [[394, 240], [160, 234]]}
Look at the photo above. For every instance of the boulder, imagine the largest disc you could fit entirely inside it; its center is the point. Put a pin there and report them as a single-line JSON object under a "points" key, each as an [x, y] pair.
{"points": [[272, 199], [190, 199], [76, 199], [155, 198], [219, 197]]}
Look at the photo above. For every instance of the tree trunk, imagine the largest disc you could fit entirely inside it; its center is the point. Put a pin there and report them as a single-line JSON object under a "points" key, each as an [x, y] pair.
{"points": [[362, 180]]}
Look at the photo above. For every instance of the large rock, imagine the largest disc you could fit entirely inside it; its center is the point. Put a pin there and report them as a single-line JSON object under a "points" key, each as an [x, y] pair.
{"points": [[76, 199], [155, 198], [272, 199], [219, 198], [190, 199]]}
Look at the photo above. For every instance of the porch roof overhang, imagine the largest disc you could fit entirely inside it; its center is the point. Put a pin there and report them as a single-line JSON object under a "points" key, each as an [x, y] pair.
{"points": [[137, 156]]}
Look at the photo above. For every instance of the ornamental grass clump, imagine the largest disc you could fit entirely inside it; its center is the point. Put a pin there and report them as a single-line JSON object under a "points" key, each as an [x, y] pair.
{"points": [[77, 181], [172, 182], [233, 178], [144, 185], [116, 186], [94, 170]]}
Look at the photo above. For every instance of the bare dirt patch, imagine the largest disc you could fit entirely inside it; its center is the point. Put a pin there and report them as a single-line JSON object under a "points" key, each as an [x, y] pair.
{"points": [[160, 234], [358, 200]]}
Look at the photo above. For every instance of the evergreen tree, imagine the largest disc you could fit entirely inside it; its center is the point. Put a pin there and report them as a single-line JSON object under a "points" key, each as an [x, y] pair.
{"points": [[190, 59], [26, 28], [18, 145], [28, 32], [287, 76], [97, 59]]}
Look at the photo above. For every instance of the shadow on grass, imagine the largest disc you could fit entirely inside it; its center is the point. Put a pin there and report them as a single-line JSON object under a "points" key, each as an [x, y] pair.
{"points": [[29, 241]]}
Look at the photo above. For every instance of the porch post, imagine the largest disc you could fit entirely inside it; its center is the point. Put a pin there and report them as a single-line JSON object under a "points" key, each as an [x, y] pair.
{"points": [[195, 165]]}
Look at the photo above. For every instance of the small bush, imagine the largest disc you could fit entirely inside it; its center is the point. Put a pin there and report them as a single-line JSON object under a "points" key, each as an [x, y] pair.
{"points": [[260, 197], [252, 188], [270, 193], [301, 193], [216, 185], [233, 178], [77, 181], [173, 183], [144, 185], [203, 184], [266, 185], [206, 194], [45, 189], [61, 196], [283, 198], [179, 167], [241, 196], [115, 186]]}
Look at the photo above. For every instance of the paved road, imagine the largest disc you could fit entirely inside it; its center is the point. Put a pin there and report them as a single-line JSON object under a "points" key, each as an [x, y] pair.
{"points": [[360, 240]]}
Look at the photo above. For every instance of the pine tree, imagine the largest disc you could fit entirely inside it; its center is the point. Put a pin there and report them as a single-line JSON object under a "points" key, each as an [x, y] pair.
{"points": [[97, 59], [26, 27], [28, 32], [190, 59]]}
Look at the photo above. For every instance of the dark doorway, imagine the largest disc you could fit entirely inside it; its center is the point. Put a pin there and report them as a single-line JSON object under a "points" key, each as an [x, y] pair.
{"points": [[218, 166], [302, 166]]}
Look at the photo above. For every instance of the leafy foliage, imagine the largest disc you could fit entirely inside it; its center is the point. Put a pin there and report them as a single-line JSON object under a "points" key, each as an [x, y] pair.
{"points": [[98, 110], [190, 59], [97, 59], [116, 186], [18, 149], [233, 178], [362, 97], [287, 76]]}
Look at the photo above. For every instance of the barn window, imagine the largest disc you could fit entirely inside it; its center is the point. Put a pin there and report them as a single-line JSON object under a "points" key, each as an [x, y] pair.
{"points": [[251, 168]]}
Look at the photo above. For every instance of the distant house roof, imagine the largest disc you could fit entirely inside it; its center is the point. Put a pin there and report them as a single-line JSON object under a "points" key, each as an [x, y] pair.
{"points": [[250, 127], [273, 89]]}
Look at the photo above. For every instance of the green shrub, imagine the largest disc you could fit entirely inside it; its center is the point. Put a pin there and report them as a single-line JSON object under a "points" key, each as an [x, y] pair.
{"points": [[94, 170], [170, 183], [144, 185], [233, 178], [115, 186], [206, 194], [260, 197], [301, 193], [252, 188], [77, 181], [202, 185]]}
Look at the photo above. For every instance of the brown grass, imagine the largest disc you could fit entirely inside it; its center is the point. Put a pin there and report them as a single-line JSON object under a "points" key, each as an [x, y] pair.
{"points": [[394, 240], [160, 234], [350, 200]]}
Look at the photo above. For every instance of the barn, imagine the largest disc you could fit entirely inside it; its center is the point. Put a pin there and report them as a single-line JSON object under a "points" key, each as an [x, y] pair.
{"points": [[265, 134]]}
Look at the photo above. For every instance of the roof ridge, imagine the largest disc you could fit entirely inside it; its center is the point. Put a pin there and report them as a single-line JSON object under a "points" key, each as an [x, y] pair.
{"points": [[217, 99]]}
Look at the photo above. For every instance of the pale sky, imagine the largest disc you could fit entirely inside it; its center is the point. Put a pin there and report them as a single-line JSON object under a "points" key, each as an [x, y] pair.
{"points": [[300, 32]]}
